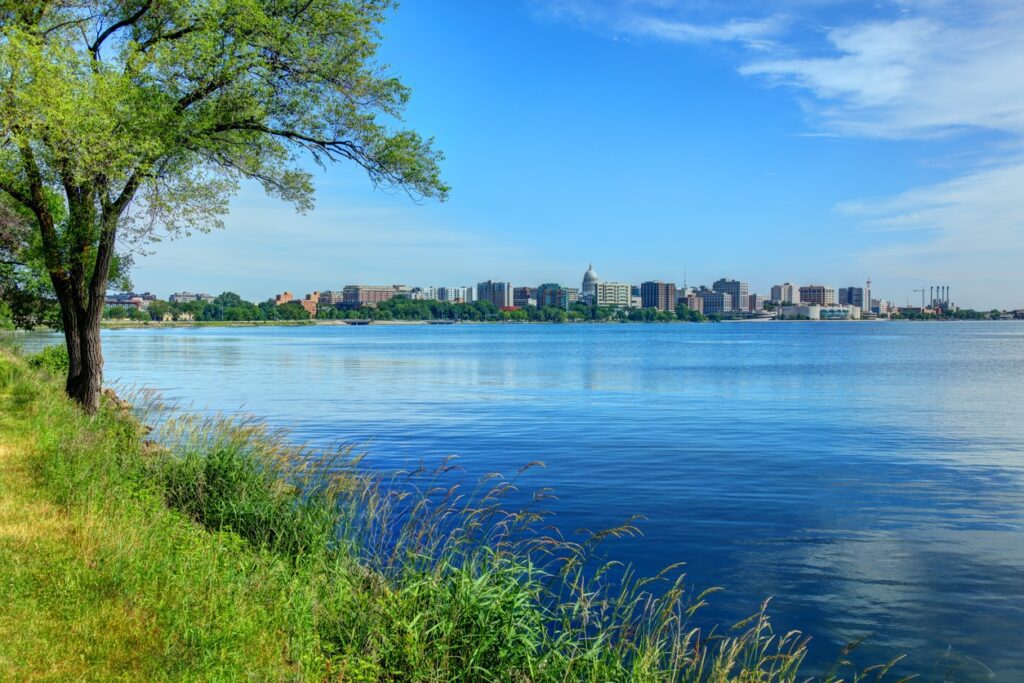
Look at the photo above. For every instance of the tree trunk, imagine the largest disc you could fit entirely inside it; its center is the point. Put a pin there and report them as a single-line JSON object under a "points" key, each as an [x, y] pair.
{"points": [[88, 384]]}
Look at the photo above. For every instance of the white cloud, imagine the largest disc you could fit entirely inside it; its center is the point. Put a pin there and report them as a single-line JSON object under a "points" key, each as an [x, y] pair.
{"points": [[969, 229], [931, 73], [668, 20]]}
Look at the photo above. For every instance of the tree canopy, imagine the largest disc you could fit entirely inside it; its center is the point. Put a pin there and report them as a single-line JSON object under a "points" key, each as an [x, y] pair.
{"points": [[126, 121]]}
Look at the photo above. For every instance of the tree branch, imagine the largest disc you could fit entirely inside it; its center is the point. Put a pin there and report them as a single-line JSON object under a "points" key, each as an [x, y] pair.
{"points": [[117, 26]]}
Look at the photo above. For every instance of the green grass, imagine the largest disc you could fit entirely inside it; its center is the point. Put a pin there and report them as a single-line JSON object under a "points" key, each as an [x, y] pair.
{"points": [[225, 554]]}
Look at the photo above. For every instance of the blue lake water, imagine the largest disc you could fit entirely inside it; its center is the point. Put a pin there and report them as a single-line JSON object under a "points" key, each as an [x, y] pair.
{"points": [[869, 476]]}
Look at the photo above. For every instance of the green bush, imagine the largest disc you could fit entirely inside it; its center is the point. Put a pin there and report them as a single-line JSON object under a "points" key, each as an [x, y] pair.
{"points": [[53, 359]]}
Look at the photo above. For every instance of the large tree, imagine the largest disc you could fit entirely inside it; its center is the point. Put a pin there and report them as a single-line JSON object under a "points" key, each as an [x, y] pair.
{"points": [[143, 116]]}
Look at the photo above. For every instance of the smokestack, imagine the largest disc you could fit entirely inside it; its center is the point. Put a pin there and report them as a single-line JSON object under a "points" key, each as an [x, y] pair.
{"points": [[931, 296]]}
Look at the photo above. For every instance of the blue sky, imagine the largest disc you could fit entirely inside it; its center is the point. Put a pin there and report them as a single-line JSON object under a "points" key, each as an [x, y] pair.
{"points": [[806, 141]]}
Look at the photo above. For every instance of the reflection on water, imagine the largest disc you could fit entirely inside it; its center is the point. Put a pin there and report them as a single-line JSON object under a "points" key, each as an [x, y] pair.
{"points": [[869, 476]]}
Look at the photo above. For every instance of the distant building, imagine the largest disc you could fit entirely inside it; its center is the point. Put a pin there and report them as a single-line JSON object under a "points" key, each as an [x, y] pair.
{"points": [[693, 302], [189, 297], [839, 312], [283, 298], [356, 296], [785, 293], [553, 294], [588, 292], [800, 311], [332, 298], [613, 294], [523, 296], [658, 294], [130, 300], [738, 291], [818, 294], [498, 293], [818, 312], [455, 295], [714, 302], [855, 296], [755, 303], [882, 307], [310, 303], [572, 294]]}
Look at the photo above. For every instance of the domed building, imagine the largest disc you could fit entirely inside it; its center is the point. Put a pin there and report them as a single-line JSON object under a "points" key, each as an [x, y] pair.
{"points": [[589, 289]]}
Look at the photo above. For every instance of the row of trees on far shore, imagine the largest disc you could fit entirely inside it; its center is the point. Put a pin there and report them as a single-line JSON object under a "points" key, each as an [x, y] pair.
{"points": [[231, 307]]}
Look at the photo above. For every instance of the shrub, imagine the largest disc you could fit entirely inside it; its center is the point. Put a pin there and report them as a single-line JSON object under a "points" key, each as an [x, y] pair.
{"points": [[53, 359]]}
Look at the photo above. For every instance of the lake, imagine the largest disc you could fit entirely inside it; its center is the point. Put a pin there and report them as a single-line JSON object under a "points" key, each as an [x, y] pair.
{"points": [[868, 476]]}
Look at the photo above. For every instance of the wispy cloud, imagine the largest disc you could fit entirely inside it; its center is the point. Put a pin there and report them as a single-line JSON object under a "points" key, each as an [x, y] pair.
{"points": [[932, 73], [668, 20], [970, 229]]}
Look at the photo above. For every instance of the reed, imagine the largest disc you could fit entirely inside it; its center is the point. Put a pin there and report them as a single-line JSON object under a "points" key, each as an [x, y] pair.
{"points": [[246, 557]]}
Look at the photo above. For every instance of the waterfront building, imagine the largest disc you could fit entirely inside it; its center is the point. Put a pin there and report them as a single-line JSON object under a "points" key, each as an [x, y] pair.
{"points": [[523, 296], [658, 294], [355, 296], [498, 293], [882, 307], [283, 298], [800, 311], [189, 297], [819, 312], [553, 294], [818, 294], [855, 296], [455, 295], [613, 294], [755, 303], [785, 293], [310, 303], [128, 300], [839, 312], [739, 291], [713, 302], [331, 297], [422, 294], [693, 302], [589, 289]]}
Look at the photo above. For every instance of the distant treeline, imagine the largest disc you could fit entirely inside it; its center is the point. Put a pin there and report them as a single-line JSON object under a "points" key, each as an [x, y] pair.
{"points": [[231, 307]]}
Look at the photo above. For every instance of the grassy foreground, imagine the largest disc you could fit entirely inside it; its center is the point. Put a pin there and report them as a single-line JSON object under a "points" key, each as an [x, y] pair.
{"points": [[226, 555]]}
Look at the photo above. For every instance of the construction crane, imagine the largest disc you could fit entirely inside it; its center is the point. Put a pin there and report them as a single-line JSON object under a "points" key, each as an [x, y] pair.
{"points": [[922, 290]]}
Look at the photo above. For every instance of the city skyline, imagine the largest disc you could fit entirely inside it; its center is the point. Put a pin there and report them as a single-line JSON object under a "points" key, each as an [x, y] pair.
{"points": [[819, 143]]}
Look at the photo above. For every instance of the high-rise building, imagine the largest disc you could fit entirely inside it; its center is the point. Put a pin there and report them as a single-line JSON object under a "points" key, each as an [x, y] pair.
{"points": [[523, 296], [589, 289], [785, 293], [818, 294], [498, 293], [658, 294], [553, 294], [455, 295], [855, 296], [715, 302], [755, 303], [739, 291], [613, 294]]}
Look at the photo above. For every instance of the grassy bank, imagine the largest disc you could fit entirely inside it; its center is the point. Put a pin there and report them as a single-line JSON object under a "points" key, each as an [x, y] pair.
{"points": [[224, 554]]}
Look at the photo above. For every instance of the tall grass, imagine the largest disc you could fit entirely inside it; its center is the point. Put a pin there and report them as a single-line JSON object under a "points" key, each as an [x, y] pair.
{"points": [[404, 577]]}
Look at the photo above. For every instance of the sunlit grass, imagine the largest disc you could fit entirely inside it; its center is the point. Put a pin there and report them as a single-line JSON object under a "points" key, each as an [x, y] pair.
{"points": [[212, 549]]}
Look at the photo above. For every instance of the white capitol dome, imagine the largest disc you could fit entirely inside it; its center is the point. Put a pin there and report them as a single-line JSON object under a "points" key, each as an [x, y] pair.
{"points": [[589, 277]]}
